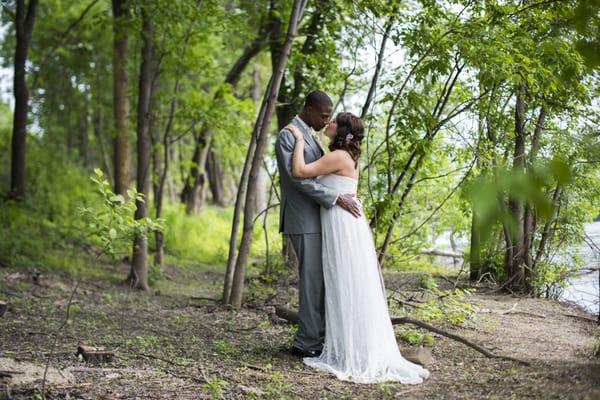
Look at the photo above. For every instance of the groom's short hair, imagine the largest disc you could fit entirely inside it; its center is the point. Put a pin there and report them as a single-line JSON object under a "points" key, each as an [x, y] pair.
{"points": [[318, 99]]}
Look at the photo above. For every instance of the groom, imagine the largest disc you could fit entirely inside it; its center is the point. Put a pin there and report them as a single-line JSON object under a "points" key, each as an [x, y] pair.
{"points": [[300, 219]]}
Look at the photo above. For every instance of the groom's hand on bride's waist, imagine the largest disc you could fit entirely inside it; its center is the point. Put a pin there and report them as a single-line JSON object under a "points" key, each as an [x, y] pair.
{"points": [[350, 203]]}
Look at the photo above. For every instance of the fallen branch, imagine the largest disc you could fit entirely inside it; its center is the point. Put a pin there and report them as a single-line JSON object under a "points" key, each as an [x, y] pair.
{"points": [[424, 325], [440, 253], [403, 302], [292, 316], [511, 310], [583, 317]]}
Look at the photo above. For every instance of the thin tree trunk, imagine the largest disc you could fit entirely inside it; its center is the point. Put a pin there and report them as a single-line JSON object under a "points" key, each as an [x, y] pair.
{"points": [[139, 266], [214, 172], [83, 135], [240, 198], [546, 231], [98, 123], [289, 102], [515, 252], [260, 135], [388, 29], [24, 20], [159, 167], [529, 219], [237, 213], [121, 97], [475, 267], [428, 137]]}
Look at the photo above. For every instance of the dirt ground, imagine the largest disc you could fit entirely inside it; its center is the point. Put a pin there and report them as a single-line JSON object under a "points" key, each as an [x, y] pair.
{"points": [[170, 345]]}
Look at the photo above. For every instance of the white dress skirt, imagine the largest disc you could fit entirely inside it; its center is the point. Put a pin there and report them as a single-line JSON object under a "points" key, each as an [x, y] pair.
{"points": [[360, 345]]}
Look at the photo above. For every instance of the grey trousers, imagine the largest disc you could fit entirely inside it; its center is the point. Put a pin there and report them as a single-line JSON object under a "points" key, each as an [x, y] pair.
{"points": [[311, 290]]}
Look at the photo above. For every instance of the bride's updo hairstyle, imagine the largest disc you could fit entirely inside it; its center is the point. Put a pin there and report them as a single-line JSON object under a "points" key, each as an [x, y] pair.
{"points": [[350, 132]]}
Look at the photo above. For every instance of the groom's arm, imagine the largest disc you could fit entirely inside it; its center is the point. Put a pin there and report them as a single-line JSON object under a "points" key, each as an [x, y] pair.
{"points": [[284, 148]]}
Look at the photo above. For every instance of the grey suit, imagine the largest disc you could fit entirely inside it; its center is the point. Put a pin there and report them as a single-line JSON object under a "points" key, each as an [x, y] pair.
{"points": [[300, 220]]}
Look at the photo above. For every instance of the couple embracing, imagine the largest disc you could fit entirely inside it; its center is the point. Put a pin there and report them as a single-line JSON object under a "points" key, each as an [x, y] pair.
{"points": [[345, 328]]}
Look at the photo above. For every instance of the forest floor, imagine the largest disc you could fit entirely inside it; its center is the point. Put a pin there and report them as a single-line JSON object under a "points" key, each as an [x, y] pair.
{"points": [[171, 343]]}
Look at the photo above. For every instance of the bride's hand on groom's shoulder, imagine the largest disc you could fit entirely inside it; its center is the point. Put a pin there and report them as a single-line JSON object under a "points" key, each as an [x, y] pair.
{"points": [[295, 131]]}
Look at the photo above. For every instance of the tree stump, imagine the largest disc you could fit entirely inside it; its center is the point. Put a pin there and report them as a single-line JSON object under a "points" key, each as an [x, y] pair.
{"points": [[95, 355]]}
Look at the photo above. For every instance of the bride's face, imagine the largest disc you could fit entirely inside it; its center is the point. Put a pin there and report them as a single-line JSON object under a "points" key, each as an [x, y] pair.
{"points": [[331, 130]]}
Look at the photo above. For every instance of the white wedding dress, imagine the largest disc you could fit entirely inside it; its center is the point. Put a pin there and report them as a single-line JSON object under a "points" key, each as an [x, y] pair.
{"points": [[360, 345]]}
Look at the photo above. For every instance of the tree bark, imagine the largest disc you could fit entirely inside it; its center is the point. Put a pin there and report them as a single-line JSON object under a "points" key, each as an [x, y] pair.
{"points": [[24, 20], [120, 96], [260, 135], [216, 177], [289, 102], [138, 277], [514, 257], [98, 127], [529, 219], [388, 28]]}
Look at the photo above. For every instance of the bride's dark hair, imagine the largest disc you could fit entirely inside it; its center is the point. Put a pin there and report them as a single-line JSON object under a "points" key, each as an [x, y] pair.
{"points": [[350, 132]]}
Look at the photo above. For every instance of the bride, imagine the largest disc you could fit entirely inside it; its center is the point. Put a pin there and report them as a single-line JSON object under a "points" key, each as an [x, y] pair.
{"points": [[360, 344]]}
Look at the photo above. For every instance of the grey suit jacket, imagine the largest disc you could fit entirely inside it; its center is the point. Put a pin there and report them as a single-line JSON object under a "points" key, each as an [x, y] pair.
{"points": [[300, 198]]}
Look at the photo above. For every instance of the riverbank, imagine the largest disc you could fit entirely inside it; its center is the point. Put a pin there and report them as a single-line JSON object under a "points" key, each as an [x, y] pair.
{"points": [[169, 344]]}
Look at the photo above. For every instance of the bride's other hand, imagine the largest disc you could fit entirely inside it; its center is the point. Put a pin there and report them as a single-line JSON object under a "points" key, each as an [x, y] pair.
{"points": [[350, 203], [295, 131]]}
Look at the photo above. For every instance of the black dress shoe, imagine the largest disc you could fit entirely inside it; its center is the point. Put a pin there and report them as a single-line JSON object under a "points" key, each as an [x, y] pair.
{"points": [[305, 353]]}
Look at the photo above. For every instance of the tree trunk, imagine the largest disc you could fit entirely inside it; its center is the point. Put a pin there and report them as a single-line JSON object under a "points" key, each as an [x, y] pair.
{"points": [[83, 136], [546, 231], [98, 124], [370, 95], [514, 257], [475, 265], [24, 20], [193, 193], [139, 266], [120, 95], [216, 177], [530, 220], [260, 135], [159, 167], [290, 101], [475, 252]]}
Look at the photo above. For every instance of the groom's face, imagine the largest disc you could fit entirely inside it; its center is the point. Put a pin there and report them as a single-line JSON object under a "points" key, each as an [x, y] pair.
{"points": [[319, 116]]}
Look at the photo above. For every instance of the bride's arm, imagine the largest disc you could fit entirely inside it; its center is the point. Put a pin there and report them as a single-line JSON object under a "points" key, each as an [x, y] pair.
{"points": [[328, 164]]}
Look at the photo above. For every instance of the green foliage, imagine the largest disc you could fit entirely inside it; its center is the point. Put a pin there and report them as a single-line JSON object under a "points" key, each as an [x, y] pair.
{"points": [[216, 387], [427, 282], [550, 278], [445, 306], [440, 132], [113, 225], [277, 387], [415, 338], [186, 236], [225, 348]]}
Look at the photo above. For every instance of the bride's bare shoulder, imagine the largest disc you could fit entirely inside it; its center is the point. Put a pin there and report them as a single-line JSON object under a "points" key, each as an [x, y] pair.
{"points": [[342, 156]]}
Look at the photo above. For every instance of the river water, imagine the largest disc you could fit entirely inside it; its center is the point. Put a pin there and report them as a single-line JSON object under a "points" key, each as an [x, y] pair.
{"points": [[583, 289]]}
